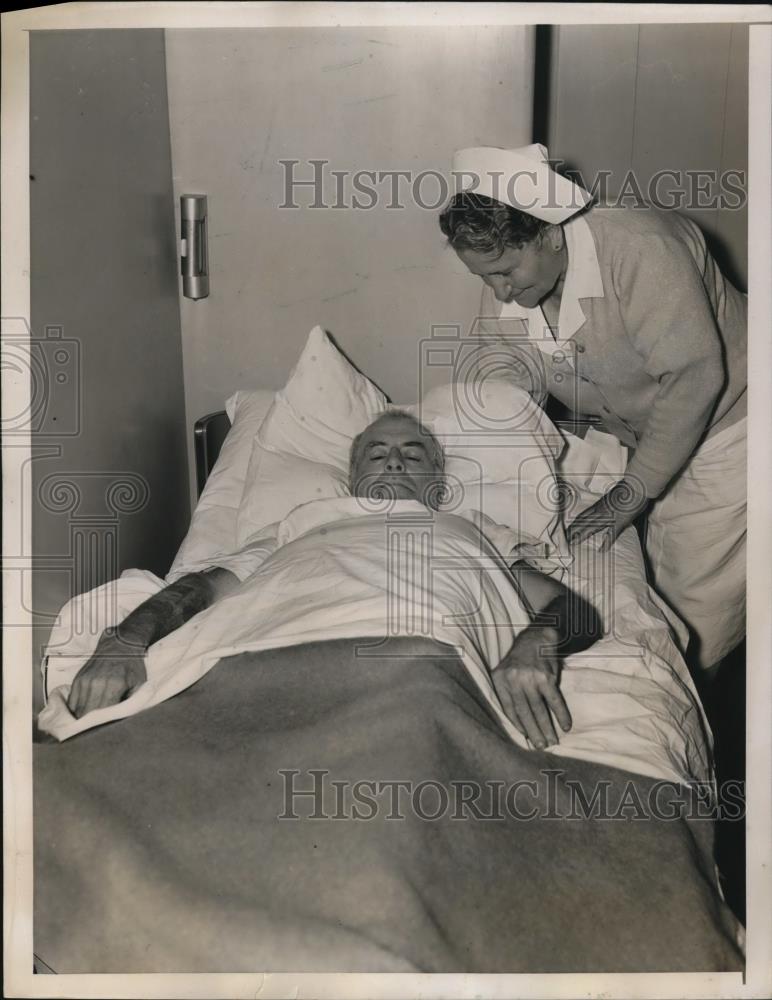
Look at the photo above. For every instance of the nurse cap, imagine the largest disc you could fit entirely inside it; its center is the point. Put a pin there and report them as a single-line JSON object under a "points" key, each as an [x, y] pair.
{"points": [[521, 178]]}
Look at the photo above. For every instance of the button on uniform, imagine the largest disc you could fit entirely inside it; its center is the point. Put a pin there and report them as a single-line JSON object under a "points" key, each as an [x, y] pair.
{"points": [[580, 349]]}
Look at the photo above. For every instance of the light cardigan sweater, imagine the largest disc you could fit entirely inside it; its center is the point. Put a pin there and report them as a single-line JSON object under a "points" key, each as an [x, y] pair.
{"points": [[654, 342]]}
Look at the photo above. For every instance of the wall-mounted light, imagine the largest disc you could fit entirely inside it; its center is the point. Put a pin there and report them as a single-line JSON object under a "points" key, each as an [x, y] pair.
{"points": [[194, 253]]}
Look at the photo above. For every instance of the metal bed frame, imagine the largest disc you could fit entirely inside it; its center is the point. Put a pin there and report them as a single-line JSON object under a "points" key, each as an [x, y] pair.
{"points": [[209, 432]]}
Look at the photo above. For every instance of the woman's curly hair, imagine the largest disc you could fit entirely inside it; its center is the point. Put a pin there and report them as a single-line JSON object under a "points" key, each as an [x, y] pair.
{"points": [[476, 222]]}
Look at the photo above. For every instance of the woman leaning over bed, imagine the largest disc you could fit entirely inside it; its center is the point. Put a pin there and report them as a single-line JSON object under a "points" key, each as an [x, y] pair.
{"points": [[623, 315]]}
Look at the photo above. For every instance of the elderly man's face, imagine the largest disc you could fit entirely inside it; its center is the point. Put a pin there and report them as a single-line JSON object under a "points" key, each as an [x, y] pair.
{"points": [[394, 459]]}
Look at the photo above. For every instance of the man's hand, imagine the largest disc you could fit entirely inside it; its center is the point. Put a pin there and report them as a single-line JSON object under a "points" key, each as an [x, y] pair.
{"points": [[526, 681], [117, 667], [614, 512], [115, 671]]}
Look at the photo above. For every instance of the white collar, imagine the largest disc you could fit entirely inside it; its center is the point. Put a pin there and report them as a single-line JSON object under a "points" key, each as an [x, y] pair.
{"points": [[583, 280]]}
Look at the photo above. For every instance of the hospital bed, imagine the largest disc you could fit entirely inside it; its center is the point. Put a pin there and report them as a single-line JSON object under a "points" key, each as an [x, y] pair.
{"points": [[201, 835]]}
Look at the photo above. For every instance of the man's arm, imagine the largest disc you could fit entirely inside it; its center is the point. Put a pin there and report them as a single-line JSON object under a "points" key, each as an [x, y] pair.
{"points": [[527, 679], [116, 668], [575, 622]]}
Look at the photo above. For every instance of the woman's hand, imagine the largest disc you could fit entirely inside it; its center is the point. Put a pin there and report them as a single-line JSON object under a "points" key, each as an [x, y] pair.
{"points": [[614, 512], [115, 671], [526, 682]]}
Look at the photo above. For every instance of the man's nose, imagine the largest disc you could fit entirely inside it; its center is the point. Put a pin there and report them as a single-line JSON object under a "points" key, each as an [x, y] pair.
{"points": [[394, 461]]}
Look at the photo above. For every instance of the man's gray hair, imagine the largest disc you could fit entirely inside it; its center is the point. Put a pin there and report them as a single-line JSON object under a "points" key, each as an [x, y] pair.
{"points": [[436, 451]]}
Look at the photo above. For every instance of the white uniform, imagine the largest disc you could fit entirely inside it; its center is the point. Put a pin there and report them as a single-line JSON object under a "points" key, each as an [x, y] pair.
{"points": [[696, 534], [695, 542]]}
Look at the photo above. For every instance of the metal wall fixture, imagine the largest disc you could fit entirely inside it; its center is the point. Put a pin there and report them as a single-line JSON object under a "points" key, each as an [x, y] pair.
{"points": [[194, 249]]}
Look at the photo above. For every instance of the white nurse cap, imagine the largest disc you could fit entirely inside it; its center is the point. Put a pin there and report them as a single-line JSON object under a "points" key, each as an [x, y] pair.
{"points": [[521, 178]]}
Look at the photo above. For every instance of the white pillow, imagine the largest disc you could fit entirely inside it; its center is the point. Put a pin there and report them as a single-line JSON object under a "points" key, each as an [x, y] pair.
{"points": [[302, 448], [500, 448], [212, 530], [500, 454], [325, 403]]}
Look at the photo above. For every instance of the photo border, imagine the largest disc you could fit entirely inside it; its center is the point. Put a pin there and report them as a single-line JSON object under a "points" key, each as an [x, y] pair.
{"points": [[17, 666]]}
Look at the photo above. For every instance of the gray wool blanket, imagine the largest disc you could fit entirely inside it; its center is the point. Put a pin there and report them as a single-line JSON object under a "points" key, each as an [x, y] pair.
{"points": [[181, 840]]}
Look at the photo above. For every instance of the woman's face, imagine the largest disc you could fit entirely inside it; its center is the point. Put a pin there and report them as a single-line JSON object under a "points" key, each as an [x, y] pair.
{"points": [[527, 274]]}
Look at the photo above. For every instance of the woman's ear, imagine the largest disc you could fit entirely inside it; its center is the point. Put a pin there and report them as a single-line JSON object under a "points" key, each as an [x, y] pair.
{"points": [[553, 238]]}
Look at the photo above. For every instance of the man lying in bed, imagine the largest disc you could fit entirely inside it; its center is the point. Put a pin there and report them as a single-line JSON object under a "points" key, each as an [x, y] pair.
{"points": [[395, 457]]}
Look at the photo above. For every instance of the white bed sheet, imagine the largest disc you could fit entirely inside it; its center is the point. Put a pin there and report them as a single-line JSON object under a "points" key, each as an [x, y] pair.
{"points": [[631, 699]]}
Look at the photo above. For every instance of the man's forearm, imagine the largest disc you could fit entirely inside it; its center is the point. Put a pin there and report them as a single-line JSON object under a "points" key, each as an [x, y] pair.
{"points": [[171, 608], [576, 621], [117, 668]]}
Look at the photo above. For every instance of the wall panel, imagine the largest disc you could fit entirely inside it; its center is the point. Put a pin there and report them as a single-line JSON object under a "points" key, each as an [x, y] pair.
{"points": [[109, 469], [593, 91], [644, 98], [386, 99]]}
